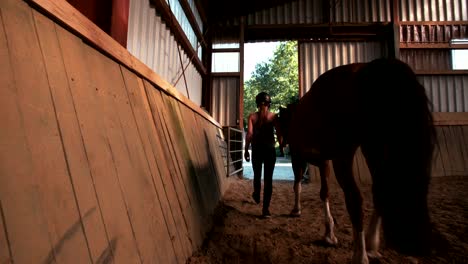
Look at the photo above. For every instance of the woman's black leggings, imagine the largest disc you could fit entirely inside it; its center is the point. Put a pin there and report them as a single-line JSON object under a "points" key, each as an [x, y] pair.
{"points": [[266, 155]]}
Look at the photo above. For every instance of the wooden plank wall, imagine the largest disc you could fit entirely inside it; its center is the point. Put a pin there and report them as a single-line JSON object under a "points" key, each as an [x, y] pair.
{"points": [[97, 164], [451, 155]]}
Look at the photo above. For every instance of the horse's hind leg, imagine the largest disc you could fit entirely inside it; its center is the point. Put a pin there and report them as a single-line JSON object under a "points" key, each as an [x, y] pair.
{"points": [[344, 174], [373, 231], [324, 168], [373, 236], [298, 166]]}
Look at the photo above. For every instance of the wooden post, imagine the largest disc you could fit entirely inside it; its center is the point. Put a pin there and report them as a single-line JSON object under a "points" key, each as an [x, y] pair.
{"points": [[119, 21], [240, 122], [394, 32]]}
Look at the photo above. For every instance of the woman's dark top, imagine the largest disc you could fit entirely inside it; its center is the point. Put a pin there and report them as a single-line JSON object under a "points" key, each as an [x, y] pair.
{"points": [[263, 134]]}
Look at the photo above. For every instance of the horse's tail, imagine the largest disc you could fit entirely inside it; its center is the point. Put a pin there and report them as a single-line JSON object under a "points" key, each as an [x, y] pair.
{"points": [[398, 144]]}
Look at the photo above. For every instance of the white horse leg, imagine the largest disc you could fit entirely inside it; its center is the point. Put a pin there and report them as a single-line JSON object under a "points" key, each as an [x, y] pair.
{"points": [[359, 254], [330, 237], [297, 199], [373, 236], [343, 167]]}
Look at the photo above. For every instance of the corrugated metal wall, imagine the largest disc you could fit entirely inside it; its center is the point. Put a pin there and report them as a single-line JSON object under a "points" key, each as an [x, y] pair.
{"points": [[448, 93], [434, 10], [354, 11], [297, 12], [432, 33], [151, 41], [311, 12], [316, 58], [427, 59], [225, 100]]}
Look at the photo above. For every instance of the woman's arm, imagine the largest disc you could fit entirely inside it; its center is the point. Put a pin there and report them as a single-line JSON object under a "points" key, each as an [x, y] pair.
{"points": [[248, 137]]}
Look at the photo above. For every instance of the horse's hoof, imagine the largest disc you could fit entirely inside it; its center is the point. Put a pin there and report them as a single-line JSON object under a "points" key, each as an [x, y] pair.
{"points": [[373, 254], [331, 241], [295, 213]]}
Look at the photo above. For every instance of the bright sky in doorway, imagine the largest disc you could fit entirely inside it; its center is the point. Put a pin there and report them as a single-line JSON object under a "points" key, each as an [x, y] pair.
{"points": [[255, 53]]}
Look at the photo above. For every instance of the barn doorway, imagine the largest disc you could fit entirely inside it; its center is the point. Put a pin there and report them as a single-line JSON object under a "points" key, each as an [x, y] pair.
{"points": [[264, 71]]}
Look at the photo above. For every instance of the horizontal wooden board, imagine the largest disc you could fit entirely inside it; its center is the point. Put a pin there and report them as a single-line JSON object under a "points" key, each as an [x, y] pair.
{"points": [[455, 118]]}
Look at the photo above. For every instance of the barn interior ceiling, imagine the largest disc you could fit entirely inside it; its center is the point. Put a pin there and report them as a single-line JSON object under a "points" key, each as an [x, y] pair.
{"points": [[219, 15], [219, 10]]}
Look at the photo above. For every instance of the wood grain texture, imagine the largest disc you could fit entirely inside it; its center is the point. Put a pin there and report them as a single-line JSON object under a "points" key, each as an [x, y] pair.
{"points": [[187, 153], [5, 250], [455, 118], [182, 163], [70, 132], [455, 152], [215, 141], [98, 165], [173, 172], [437, 162], [49, 175], [446, 152], [134, 180], [201, 146], [205, 176], [464, 145], [23, 223], [85, 91], [159, 171]]}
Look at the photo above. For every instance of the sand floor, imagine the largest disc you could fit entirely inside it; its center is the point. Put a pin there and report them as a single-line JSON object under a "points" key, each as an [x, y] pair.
{"points": [[241, 236]]}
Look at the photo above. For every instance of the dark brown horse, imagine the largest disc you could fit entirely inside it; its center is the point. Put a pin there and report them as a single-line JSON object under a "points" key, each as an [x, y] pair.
{"points": [[382, 108]]}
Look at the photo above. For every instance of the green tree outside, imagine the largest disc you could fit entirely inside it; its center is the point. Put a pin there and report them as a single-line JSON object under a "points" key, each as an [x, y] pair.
{"points": [[278, 77]]}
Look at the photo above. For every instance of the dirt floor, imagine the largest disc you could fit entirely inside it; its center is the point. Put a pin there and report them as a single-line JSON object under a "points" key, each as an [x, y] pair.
{"points": [[241, 236]]}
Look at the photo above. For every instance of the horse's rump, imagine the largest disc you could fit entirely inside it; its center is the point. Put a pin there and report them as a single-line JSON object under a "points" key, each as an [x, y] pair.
{"points": [[326, 116], [398, 141]]}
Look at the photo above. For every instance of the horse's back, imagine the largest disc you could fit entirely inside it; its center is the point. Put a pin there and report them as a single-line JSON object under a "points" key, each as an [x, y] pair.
{"points": [[326, 114]]}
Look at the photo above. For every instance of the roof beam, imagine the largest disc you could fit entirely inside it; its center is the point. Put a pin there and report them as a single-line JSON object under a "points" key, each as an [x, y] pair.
{"points": [[317, 31]]}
